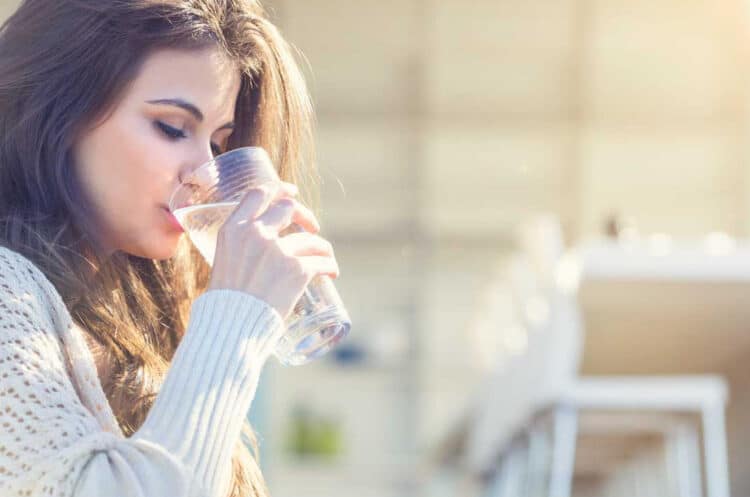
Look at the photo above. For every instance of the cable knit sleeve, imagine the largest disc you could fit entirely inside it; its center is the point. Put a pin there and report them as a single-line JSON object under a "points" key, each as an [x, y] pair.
{"points": [[52, 445]]}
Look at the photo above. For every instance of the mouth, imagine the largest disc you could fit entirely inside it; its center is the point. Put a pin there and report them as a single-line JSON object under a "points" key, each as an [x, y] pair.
{"points": [[172, 220]]}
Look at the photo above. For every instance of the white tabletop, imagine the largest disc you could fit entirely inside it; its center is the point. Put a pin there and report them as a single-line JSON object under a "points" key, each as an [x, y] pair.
{"points": [[714, 259]]}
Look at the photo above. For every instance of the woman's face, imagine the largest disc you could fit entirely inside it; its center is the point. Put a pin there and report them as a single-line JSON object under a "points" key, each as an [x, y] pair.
{"points": [[175, 115]]}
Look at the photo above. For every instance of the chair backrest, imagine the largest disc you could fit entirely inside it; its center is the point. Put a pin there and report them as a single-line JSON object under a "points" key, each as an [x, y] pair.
{"points": [[506, 400], [541, 239], [557, 351], [549, 362]]}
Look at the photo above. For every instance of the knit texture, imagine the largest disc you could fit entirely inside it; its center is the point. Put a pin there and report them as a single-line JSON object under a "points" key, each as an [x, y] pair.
{"points": [[58, 435]]}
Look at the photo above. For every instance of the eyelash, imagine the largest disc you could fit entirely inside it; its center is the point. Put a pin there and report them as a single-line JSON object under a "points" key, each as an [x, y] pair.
{"points": [[175, 134]]}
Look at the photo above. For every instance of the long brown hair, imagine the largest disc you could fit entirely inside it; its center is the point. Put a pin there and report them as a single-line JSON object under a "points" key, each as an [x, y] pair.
{"points": [[63, 65]]}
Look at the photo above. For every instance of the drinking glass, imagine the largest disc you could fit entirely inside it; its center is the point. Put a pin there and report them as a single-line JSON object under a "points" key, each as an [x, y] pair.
{"points": [[202, 204]]}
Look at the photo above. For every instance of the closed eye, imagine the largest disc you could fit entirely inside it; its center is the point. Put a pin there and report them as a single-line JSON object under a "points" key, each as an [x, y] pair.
{"points": [[170, 131], [175, 134]]}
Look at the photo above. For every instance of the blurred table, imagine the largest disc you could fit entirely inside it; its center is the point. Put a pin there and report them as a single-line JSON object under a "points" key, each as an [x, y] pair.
{"points": [[662, 307], [715, 259]]}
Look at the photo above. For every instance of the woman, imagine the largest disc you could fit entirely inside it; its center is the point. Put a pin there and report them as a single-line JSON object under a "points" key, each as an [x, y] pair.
{"points": [[127, 365]]}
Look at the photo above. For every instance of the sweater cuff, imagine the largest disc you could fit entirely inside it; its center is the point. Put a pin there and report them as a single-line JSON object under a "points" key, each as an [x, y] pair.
{"points": [[199, 410]]}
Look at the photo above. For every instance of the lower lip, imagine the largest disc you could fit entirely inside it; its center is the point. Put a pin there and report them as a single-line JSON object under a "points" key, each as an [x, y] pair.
{"points": [[173, 221]]}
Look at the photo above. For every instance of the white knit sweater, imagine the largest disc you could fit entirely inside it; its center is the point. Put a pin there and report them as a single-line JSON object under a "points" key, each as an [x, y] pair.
{"points": [[58, 436]]}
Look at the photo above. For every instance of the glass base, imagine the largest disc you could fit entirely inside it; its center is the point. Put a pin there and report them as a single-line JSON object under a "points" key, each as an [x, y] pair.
{"points": [[310, 337]]}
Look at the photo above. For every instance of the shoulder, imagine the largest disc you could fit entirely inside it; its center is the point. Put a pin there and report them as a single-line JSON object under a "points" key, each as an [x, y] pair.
{"points": [[23, 283], [15, 265]]}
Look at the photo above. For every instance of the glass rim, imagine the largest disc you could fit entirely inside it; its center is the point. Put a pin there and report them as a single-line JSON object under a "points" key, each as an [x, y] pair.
{"points": [[253, 151]]}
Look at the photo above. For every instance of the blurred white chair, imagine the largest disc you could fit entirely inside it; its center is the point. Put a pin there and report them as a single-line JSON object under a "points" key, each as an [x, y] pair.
{"points": [[540, 387]]}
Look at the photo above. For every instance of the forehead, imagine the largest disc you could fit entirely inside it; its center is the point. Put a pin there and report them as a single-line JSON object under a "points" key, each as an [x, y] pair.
{"points": [[205, 77]]}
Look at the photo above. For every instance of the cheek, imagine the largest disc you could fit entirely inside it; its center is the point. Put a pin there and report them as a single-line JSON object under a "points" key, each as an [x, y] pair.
{"points": [[137, 154], [120, 165], [126, 171]]}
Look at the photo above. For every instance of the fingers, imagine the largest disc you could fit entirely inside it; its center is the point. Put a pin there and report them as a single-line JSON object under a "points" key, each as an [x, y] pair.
{"points": [[314, 253], [256, 200], [316, 265], [302, 243], [282, 213]]}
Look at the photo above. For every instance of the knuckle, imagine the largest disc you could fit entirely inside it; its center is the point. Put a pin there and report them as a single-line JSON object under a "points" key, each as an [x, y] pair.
{"points": [[257, 230], [296, 268], [290, 188], [260, 191], [285, 203], [252, 227]]}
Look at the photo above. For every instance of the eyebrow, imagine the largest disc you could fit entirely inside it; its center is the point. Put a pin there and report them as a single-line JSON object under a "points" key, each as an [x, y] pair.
{"points": [[185, 105]]}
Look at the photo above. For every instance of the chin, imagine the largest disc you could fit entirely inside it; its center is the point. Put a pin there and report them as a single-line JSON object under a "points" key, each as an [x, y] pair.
{"points": [[159, 249]]}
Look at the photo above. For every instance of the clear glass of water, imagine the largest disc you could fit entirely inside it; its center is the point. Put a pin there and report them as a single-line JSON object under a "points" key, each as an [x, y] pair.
{"points": [[202, 204]]}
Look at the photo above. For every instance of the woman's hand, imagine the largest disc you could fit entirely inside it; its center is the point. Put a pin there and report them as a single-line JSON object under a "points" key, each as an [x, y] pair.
{"points": [[252, 257]]}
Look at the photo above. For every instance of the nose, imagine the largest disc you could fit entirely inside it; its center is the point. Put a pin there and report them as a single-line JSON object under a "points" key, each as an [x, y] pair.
{"points": [[196, 177], [196, 169]]}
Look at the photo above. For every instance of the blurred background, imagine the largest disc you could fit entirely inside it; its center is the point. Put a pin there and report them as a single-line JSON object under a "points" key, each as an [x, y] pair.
{"points": [[541, 210]]}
